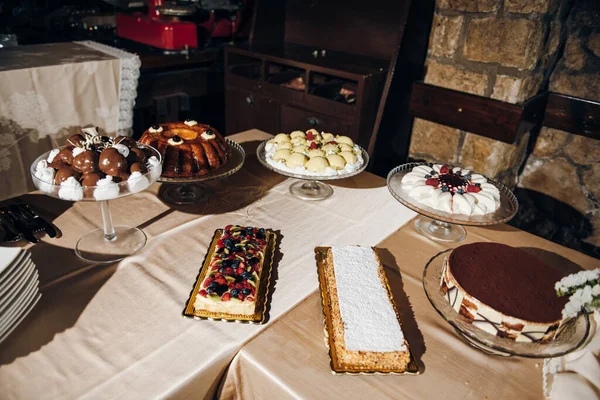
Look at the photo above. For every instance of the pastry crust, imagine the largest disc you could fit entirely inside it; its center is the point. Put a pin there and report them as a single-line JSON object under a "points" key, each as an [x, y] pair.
{"points": [[359, 360]]}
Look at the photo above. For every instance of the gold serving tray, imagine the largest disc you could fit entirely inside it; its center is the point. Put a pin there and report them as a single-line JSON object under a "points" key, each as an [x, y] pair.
{"points": [[336, 367], [261, 294]]}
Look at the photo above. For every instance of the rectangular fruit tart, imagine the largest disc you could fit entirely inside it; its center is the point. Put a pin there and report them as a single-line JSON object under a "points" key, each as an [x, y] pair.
{"points": [[234, 279], [361, 321]]}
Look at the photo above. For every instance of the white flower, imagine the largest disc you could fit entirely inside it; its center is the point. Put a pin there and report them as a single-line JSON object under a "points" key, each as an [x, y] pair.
{"points": [[574, 281]]}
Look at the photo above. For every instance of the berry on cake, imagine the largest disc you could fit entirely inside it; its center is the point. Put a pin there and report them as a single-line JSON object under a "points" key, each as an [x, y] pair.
{"points": [[452, 190]]}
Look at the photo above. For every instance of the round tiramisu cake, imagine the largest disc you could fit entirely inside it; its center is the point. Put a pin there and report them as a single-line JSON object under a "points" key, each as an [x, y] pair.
{"points": [[504, 291], [453, 190]]}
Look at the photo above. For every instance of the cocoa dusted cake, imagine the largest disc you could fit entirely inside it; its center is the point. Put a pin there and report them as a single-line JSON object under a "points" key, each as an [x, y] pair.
{"points": [[504, 291], [188, 148]]}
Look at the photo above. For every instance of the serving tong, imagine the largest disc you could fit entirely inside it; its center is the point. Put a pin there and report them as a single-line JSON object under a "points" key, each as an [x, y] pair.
{"points": [[19, 221]]}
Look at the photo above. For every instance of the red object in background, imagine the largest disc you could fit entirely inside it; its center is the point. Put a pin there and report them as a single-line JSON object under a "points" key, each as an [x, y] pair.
{"points": [[170, 33]]}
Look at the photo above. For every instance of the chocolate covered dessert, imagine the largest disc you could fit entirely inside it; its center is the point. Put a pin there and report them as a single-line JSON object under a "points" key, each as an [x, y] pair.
{"points": [[504, 291], [92, 166]]}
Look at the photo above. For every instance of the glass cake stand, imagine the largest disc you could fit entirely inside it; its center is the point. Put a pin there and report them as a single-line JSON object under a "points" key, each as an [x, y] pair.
{"points": [[187, 191], [446, 227], [570, 336], [309, 187], [112, 242]]}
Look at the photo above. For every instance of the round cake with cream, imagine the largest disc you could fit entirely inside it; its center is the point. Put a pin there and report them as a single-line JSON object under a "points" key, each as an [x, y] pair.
{"points": [[451, 189], [503, 290], [189, 149], [314, 154]]}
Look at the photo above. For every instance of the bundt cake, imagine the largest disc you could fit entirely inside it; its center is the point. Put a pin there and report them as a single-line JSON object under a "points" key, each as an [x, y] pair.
{"points": [[188, 148]]}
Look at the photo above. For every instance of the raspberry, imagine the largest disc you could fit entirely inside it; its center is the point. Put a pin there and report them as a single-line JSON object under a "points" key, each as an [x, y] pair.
{"points": [[241, 297], [221, 281], [202, 293], [228, 271], [432, 182], [226, 297], [239, 285], [444, 169], [231, 285], [239, 271], [313, 146], [310, 136], [208, 281], [473, 189]]}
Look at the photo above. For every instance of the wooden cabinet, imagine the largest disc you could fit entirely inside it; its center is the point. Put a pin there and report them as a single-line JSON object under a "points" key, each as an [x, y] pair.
{"points": [[308, 66]]}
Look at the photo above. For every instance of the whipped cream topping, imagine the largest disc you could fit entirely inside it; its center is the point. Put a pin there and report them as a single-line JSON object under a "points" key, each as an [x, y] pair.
{"points": [[207, 136], [52, 154], [190, 122], [71, 190], [137, 182], [370, 321], [106, 189], [121, 148], [175, 142], [452, 190], [45, 174], [77, 151], [155, 130], [154, 167]]}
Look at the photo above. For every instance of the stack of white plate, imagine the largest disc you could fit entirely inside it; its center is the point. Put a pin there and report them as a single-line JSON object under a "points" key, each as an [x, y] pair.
{"points": [[19, 288]]}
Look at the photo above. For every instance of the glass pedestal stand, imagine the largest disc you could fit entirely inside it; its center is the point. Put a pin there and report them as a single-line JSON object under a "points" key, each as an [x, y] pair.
{"points": [[183, 191], [311, 190], [112, 242], [439, 230]]}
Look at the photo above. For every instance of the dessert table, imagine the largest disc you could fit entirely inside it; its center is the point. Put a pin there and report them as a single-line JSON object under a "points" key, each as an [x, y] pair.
{"points": [[108, 331], [450, 368]]}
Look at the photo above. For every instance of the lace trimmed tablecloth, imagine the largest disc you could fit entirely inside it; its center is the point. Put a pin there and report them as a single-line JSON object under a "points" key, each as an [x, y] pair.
{"points": [[49, 91]]}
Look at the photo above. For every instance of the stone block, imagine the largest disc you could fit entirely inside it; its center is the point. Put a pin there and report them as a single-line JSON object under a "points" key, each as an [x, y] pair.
{"points": [[553, 37], [491, 157], [445, 35], [593, 43], [453, 78], [574, 56], [550, 142], [586, 85], [591, 179], [516, 90], [594, 238], [513, 43], [433, 142], [556, 178], [583, 150], [528, 6], [470, 5]]}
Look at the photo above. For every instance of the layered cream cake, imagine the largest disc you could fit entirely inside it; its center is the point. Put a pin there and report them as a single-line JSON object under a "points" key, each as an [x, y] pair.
{"points": [[314, 154], [366, 329], [452, 190], [234, 273], [504, 291]]}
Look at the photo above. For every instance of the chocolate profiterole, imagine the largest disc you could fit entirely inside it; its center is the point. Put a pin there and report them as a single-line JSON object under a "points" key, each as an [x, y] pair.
{"points": [[86, 161], [112, 162], [504, 290], [64, 172]]}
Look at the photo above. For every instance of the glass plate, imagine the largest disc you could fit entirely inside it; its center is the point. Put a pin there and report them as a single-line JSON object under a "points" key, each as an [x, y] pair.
{"points": [[508, 202], [570, 335], [260, 153]]}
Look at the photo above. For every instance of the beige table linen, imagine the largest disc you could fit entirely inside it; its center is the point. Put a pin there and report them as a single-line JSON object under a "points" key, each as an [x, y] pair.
{"points": [[49, 91], [116, 331], [290, 360]]}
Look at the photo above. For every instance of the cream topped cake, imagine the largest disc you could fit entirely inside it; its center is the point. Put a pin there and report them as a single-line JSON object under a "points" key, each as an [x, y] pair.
{"points": [[505, 291], [366, 330], [234, 273], [314, 154], [452, 190]]}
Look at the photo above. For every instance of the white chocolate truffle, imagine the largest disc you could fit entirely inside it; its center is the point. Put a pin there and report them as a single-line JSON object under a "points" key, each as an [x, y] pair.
{"points": [[300, 149], [328, 137], [284, 145], [317, 164], [282, 154], [336, 161], [330, 148], [282, 137], [345, 147], [299, 141], [297, 134], [344, 139], [296, 160], [349, 156], [316, 153]]}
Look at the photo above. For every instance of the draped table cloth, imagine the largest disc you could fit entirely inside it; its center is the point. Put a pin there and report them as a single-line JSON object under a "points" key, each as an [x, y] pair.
{"points": [[116, 331], [49, 91], [290, 359]]}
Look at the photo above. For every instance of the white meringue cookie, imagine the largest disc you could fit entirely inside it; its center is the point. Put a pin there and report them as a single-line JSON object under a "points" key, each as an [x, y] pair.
{"points": [[461, 205], [46, 175], [444, 202], [422, 191]]}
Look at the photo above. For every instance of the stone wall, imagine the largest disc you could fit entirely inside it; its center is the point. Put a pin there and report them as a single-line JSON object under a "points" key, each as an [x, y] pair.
{"points": [[502, 49], [559, 187]]}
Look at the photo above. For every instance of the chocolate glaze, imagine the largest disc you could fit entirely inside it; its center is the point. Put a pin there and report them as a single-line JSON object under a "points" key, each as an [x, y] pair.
{"points": [[86, 161], [137, 155], [91, 178], [64, 172], [137, 167], [112, 162], [509, 280], [65, 155], [76, 140]]}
